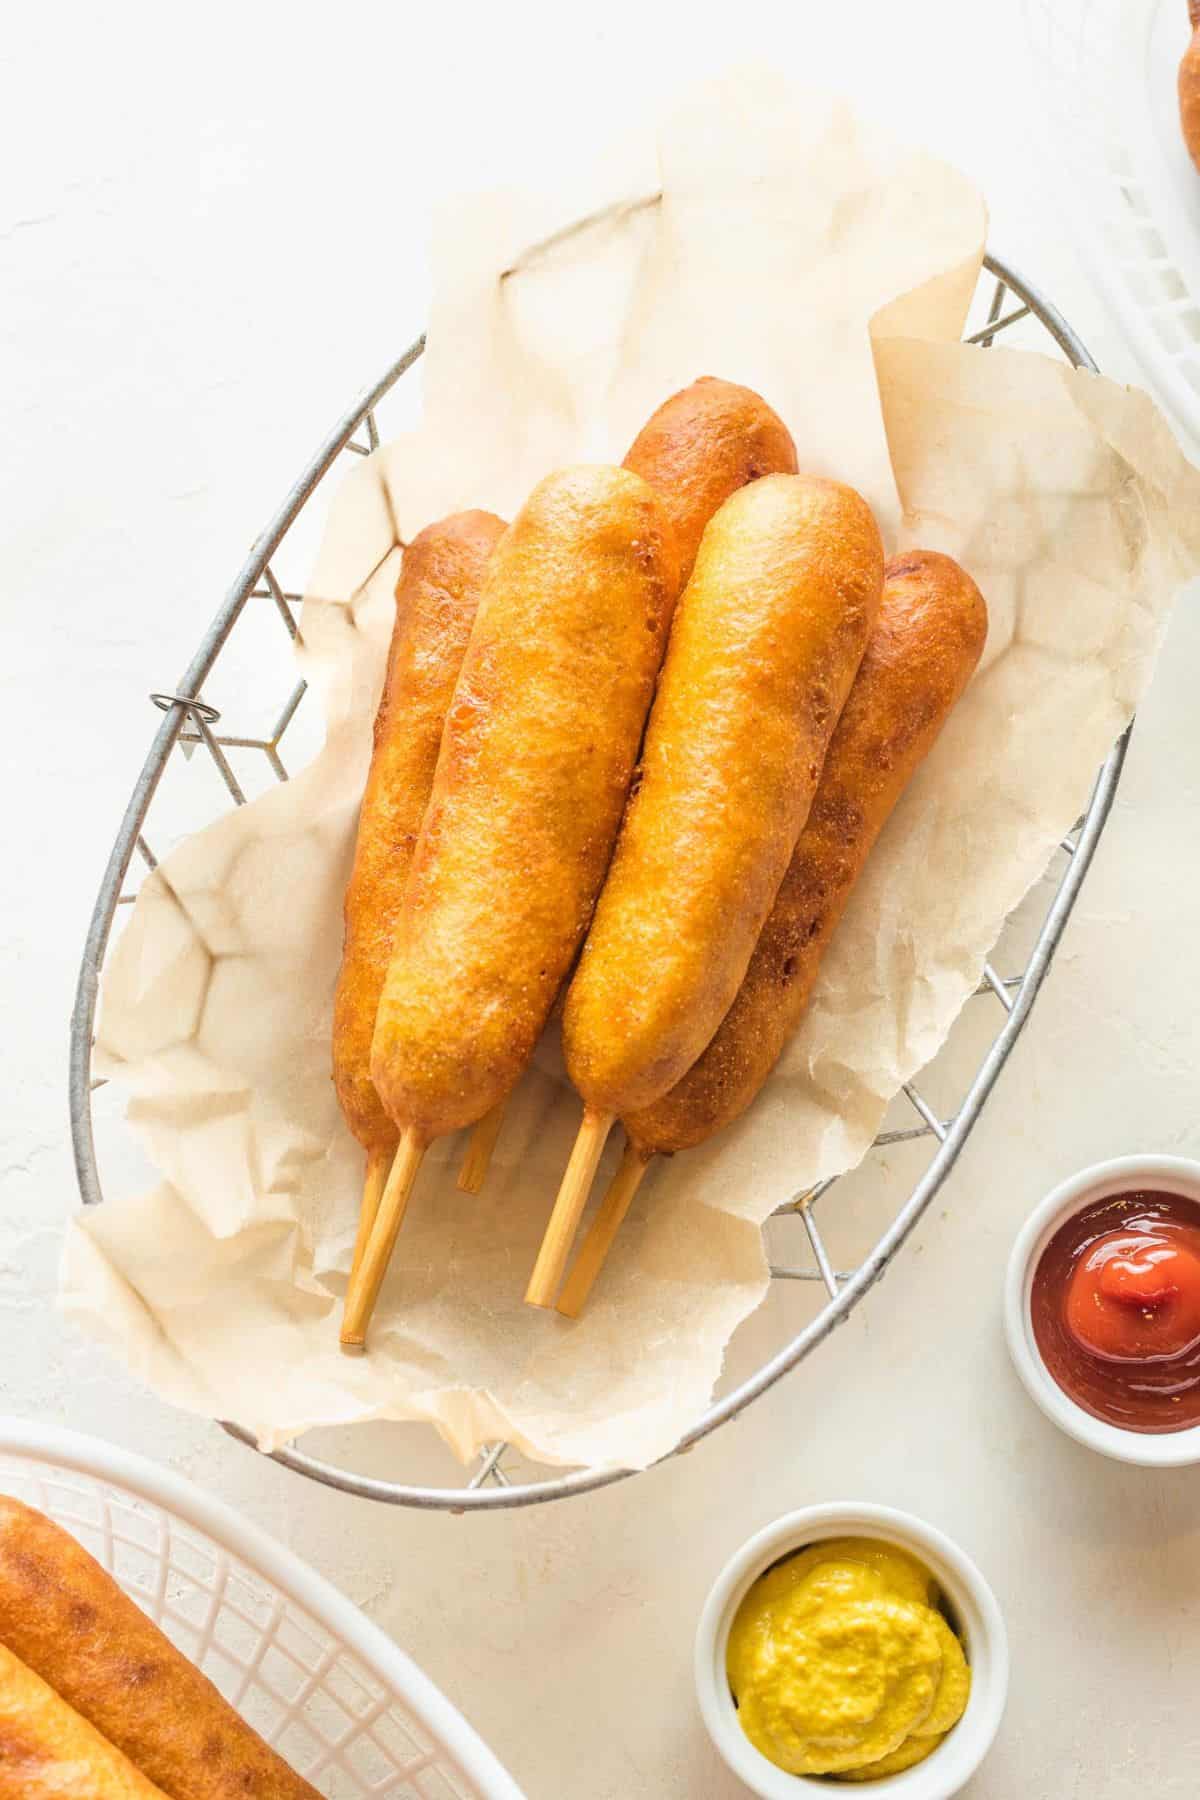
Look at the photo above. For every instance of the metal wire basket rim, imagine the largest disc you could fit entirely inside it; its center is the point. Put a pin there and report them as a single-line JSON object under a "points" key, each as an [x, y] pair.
{"points": [[839, 1306], [186, 690]]}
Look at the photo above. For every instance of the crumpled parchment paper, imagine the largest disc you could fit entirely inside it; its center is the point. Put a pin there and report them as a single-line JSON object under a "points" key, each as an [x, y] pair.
{"points": [[794, 250]]}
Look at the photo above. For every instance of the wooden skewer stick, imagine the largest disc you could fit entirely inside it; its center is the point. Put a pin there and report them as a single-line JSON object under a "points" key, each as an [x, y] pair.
{"points": [[605, 1226], [379, 1161], [568, 1209], [364, 1287], [473, 1173]]}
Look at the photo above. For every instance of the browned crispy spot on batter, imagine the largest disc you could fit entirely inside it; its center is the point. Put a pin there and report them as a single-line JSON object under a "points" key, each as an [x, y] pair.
{"points": [[20, 1752]]}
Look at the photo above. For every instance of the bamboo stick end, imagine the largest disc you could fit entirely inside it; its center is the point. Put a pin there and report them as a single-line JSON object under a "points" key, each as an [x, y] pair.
{"points": [[568, 1209], [599, 1240], [367, 1278], [478, 1159]]}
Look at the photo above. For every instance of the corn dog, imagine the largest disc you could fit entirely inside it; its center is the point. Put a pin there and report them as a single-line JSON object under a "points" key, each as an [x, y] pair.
{"points": [[1189, 87], [701, 445], [536, 759], [766, 641], [47, 1752], [73, 1626], [926, 643], [440, 578]]}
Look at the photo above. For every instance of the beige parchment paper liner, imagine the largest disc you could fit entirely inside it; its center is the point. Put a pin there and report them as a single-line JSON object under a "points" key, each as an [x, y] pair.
{"points": [[794, 250]]}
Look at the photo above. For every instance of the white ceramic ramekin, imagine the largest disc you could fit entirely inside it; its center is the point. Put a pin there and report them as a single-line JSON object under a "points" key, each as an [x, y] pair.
{"points": [[1156, 1450], [976, 1615]]}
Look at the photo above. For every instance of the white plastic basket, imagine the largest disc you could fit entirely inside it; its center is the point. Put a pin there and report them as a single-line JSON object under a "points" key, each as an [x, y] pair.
{"points": [[321, 1684], [1105, 72]]}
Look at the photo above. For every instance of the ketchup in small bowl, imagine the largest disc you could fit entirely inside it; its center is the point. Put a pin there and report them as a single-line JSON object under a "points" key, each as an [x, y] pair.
{"points": [[1115, 1309]]}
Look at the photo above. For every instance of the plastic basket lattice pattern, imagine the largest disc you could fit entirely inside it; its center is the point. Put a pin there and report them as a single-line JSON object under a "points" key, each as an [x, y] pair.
{"points": [[335, 1715]]}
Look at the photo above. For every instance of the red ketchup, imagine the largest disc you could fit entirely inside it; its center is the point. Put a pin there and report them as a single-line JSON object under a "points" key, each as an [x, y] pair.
{"points": [[1115, 1305]]}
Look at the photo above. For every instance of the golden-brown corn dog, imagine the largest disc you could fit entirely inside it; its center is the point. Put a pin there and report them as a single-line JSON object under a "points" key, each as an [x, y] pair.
{"points": [[47, 1752], [1189, 87], [537, 755], [766, 641], [441, 575], [927, 640], [702, 444], [74, 1627]]}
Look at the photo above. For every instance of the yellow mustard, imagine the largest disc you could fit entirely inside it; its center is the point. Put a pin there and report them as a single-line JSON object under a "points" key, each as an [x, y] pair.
{"points": [[841, 1662]]}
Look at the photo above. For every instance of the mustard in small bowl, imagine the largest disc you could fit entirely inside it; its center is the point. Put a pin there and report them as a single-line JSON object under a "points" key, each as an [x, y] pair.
{"points": [[851, 1645]]}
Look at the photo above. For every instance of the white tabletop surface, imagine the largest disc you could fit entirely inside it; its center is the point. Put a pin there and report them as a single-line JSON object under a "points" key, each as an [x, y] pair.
{"points": [[189, 199]]}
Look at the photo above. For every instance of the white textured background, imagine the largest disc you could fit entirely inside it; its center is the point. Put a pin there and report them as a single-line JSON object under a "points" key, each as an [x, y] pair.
{"points": [[186, 205]]}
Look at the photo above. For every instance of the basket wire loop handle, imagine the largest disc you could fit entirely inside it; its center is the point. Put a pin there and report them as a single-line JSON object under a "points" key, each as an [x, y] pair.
{"points": [[199, 709], [204, 717], [490, 1488]]}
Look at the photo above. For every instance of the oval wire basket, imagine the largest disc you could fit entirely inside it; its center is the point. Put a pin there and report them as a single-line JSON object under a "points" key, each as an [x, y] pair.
{"points": [[191, 722], [322, 1684]]}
